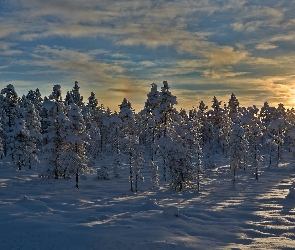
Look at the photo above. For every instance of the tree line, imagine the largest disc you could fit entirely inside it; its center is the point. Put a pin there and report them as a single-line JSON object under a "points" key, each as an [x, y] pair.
{"points": [[70, 136]]}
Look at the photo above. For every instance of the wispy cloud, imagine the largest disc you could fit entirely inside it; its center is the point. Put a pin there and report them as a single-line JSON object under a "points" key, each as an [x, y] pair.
{"points": [[119, 47], [266, 46]]}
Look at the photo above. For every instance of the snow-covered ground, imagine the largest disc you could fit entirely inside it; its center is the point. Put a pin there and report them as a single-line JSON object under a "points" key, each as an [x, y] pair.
{"points": [[103, 214]]}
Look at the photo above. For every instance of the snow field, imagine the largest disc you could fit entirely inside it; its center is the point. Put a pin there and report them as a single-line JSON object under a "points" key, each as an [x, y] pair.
{"points": [[103, 214]]}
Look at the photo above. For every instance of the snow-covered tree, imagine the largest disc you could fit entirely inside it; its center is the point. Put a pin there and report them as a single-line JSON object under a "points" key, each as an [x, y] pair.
{"points": [[138, 161], [179, 163], [22, 143], [206, 134], [69, 98], [9, 100], [20, 135], [164, 117], [33, 123], [267, 114], [281, 111], [277, 130], [76, 137], [225, 129], [153, 99], [165, 111], [99, 117], [3, 125], [130, 139], [237, 147], [149, 124], [92, 101], [154, 174], [35, 98], [94, 140], [255, 145], [103, 171], [75, 93], [216, 115], [55, 138], [116, 134], [233, 105], [291, 136], [117, 164], [56, 93], [205, 126]]}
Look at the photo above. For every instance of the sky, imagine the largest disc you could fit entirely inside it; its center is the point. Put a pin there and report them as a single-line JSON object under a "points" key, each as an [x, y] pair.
{"points": [[117, 48]]}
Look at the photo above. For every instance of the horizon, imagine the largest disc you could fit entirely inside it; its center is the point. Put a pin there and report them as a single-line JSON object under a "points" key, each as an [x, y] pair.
{"points": [[117, 49], [176, 106]]}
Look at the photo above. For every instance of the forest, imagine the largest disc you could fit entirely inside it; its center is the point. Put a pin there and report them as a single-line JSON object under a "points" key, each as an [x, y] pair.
{"points": [[70, 136]]}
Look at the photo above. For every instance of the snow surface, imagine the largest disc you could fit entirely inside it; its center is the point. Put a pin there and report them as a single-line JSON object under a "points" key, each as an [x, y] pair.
{"points": [[52, 214]]}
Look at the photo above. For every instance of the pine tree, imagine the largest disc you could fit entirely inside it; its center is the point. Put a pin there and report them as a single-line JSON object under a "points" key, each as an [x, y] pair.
{"points": [[75, 93], [255, 145], [116, 164], [179, 162], [190, 130], [76, 138], [237, 147], [148, 116], [154, 174], [225, 129], [1, 142], [55, 141], [3, 126], [117, 133], [130, 140], [100, 116], [89, 113], [20, 135], [33, 123], [138, 161], [266, 114], [216, 115], [94, 140], [102, 172], [216, 112], [165, 111], [23, 147], [277, 130], [56, 93], [92, 101], [206, 134], [35, 98], [233, 105], [69, 98], [164, 117], [9, 100]]}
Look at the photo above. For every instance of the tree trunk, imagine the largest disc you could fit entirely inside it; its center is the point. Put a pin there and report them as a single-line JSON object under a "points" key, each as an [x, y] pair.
{"points": [[19, 164], [77, 179], [130, 172], [198, 180]]}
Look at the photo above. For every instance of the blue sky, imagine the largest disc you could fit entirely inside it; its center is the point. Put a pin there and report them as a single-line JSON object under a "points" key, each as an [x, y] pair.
{"points": [[118, 48]]}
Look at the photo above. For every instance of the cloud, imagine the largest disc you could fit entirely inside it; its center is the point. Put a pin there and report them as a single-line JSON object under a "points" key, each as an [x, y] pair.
{"points": [[204, 86], [82, 63], [126, 45], [127, 23], [124, 90], [253, 18], [226, 56], [265, 46], [222, 73]]}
